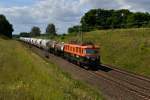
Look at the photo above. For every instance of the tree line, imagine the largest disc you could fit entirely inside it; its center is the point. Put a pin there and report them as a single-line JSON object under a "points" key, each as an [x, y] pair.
{"points": [[111, 19], [35, 31], [6, 28]]}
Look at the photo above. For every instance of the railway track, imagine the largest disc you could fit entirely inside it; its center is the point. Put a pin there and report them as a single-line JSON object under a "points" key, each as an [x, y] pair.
{"points": [[136, 81], [133, 88], [144, 78], [129, 85], [135, 84]]}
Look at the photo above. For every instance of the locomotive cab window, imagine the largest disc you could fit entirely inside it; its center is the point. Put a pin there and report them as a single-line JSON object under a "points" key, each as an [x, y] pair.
{"points": [[91, 51]]}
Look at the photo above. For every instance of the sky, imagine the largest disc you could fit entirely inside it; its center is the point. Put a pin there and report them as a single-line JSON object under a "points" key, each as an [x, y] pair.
{"points": [[24, 14]]}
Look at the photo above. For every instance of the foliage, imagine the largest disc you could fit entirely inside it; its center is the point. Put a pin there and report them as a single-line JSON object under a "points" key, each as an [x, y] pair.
{"points": [[5, 27], [35, 31], [51, 29], [46, 36], [24, 34], [139, 19], [111, 19], [74, 29]]}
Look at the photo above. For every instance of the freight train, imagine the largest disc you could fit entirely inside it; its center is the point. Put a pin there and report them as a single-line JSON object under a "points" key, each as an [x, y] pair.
{"points": [[80, 54]]}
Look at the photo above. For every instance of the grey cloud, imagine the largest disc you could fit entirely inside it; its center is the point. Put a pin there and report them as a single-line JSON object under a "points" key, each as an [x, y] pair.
{"points": [[138, 5], [106, 4]]}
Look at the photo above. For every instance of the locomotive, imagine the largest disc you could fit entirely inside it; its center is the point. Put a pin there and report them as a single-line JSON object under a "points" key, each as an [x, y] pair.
{"points": [[80, 54]]}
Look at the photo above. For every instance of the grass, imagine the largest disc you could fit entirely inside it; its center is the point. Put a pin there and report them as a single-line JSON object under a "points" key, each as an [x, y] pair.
{"points": [[26, 76], [128, 49]]}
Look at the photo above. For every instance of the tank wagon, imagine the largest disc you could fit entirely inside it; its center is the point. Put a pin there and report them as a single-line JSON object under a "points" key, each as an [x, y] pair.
{"points": [[38, 43], [44, 44], [51, 46], [80, 54], [59, 48]]}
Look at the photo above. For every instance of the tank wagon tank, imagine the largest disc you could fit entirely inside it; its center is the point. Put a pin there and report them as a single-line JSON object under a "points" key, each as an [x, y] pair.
{"points": [[51, 45], [44, 44], [38, 43], [59, 48]]}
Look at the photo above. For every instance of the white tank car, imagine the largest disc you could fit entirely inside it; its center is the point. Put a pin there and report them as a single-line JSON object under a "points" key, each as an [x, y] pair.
{"points": [[44, 44], [38, 42], [52, 44], [28, 40], [32, 40], [59, 46], [24, 39], [21, 38]]}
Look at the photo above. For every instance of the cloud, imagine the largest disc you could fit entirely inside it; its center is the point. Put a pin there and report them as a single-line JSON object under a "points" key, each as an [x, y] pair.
{"points": [[134, 5], [63, 13], [106, 4]]}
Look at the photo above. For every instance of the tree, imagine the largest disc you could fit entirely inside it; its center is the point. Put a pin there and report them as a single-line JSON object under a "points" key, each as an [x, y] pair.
{"points": [[35, 31], [76, 28], [5, 27], [106, 19], [89, 18], [24, 34], [51, 29]]}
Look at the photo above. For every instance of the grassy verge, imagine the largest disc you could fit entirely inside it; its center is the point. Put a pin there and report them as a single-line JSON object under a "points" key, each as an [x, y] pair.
{"points": [[24, 75], [128, 49]]}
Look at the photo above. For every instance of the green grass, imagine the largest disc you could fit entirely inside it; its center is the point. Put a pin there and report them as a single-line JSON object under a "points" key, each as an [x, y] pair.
{"points": [[26, 76], [128, 49]]}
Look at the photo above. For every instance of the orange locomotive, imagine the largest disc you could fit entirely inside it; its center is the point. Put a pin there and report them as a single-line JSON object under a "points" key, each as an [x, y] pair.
{"points": [[84, 55]]}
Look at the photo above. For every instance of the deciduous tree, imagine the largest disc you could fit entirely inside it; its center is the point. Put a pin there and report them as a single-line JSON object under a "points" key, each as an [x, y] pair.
{"points": [[51, 29], [5, 27], [35, 31]]}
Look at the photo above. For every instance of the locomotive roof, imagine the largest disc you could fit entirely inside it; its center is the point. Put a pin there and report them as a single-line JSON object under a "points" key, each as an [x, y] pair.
{"points": [[83, 46]]}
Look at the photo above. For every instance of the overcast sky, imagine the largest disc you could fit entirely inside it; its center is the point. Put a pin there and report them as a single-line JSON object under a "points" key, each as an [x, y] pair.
{"points": [[24, 14]]}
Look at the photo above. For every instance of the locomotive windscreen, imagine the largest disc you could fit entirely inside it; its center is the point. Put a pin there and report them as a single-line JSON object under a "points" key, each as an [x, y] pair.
{"points": [[91, 51]]}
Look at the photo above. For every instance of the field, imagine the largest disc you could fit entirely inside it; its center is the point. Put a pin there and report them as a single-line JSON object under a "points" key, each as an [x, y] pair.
{"points": [[128, 49], [26, 76]]}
